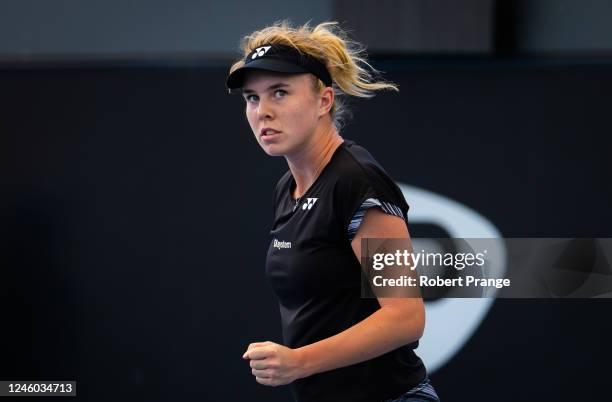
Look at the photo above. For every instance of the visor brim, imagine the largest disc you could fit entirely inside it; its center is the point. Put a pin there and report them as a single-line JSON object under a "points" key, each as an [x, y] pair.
{"points": [[235, 79]]}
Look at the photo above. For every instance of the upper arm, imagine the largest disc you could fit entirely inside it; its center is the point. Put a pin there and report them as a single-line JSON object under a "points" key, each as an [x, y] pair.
{"points": [[378, 224]]}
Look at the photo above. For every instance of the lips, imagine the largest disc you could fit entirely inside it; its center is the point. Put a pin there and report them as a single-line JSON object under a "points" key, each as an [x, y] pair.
{"points": [[268, 131]]}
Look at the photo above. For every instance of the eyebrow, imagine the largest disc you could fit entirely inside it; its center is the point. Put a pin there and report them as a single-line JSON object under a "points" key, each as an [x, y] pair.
{"points": [[271, 87]]}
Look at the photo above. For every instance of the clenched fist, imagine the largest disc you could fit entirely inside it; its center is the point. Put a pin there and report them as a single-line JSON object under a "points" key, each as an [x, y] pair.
{"points": [[273, 364]]}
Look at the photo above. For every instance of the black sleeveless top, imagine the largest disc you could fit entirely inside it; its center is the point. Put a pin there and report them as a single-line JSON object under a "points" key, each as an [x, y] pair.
{"points": [[317, 277]]}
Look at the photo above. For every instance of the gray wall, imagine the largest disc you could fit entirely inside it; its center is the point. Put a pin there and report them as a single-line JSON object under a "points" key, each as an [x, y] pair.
{"points": [[421, 26], [564, 26], [209, 30], [135, 27]]}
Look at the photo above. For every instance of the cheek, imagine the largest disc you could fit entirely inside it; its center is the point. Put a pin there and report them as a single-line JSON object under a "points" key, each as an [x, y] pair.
{"points": [[250, 116], [302, 116]]}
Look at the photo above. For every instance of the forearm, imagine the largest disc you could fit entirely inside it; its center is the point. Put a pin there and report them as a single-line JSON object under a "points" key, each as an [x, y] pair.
{"points": [[384, 330]]}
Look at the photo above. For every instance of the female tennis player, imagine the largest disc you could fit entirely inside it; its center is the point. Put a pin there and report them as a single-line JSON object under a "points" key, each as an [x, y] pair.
{"points": [[338, 346]]}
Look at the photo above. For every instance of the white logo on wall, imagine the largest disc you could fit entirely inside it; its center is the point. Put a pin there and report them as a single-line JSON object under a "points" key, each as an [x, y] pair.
{"points": [[452, 321], [309, 203], [260, 51]]}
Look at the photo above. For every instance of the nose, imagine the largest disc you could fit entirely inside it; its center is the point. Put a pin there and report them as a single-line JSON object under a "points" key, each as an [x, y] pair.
{"points": [[264, 111]]}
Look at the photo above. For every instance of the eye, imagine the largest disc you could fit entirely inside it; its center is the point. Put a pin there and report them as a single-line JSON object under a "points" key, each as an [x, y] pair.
{"points": [[251, 98], [280, 93]]}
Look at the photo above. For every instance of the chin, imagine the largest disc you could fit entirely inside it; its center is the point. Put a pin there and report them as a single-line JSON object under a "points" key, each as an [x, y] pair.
{"points": [[274, 149]]}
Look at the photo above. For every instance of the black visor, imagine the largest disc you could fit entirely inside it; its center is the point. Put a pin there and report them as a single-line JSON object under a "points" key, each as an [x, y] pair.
{"points": [[280, 59]]}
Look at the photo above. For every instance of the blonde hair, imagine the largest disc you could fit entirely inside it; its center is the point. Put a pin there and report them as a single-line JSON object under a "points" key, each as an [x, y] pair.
{"points": [[344, 58]]}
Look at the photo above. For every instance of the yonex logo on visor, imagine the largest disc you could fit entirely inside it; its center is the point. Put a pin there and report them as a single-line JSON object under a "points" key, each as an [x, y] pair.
{"points": [[260, 51]]}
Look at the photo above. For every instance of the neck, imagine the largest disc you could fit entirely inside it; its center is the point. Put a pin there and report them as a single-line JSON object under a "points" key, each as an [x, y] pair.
{"points": [[309, 162]]}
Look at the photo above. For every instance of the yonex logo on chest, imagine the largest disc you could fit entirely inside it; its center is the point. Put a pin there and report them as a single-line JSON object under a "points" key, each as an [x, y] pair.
{"points": [[309, 203]]}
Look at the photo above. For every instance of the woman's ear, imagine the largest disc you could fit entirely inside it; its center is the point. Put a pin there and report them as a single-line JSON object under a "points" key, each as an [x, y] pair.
{"points": [[327, 100]]}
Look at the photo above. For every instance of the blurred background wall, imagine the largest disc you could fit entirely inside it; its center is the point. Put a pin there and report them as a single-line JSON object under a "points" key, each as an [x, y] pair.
{"points": [[131, 256], [135, 29]]}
